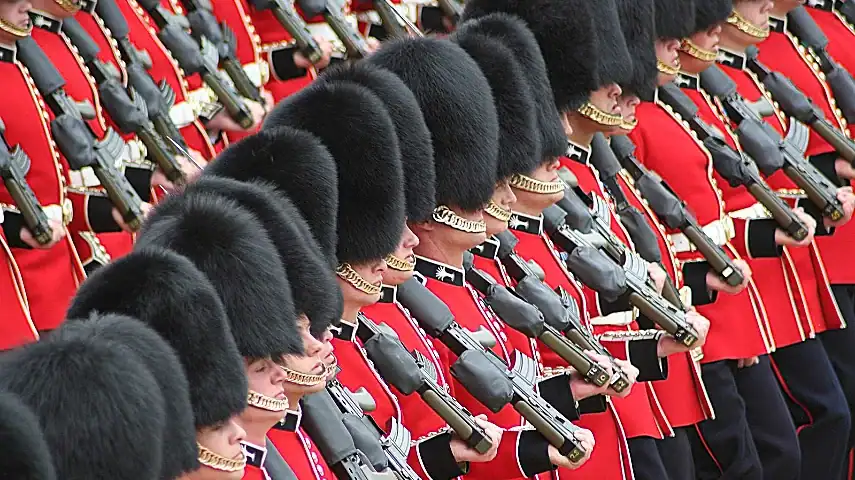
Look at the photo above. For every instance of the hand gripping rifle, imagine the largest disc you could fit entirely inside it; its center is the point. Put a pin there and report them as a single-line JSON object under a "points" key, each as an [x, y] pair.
{"points": [[353, 42], [560, 311], [796, 105], [408, 373], [738, 169], [294, 24], [158, 99], [629, 282], [673, 212], [484, 374], [193, 58], [14, 164], [768, 148], [129, 114], [75, 138], [802, 25]]}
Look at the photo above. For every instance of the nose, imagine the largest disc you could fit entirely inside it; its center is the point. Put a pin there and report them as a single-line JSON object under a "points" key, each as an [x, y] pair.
{"points": [[411, 240], [673, 44], [239, 432], [615, 91], [313, 346], [716, 30]]}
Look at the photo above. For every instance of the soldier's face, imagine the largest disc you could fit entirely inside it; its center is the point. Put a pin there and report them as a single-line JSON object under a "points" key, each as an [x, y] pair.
{"points": [[628, 104], [755, 12], [15, 13], [538, 202], [504, 198], [707, 40], [409, 241], [312, 362], [606, 99], [667, 52], [265, 377], [223, 439], [371, 272]]}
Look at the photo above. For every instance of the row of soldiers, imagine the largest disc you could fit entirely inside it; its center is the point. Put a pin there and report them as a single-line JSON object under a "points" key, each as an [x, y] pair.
{"points": [[566, 239]]}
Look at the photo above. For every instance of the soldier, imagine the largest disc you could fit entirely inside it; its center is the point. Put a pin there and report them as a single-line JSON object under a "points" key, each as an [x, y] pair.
{"points": [[189, 315], [28, 455]]}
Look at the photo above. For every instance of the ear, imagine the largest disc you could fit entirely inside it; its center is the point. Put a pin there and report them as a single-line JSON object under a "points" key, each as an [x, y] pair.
{"points": [[426, 226], [565, 122]]}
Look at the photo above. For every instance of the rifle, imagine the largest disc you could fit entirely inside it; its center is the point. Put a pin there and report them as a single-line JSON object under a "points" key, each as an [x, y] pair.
{"points": [[484, 374], [802, 25], [738, 169], [195, 58], [294, 24], [75, 138], [353, 42], [129, 114], [156, 98], [14, 164], [395, 24], [204, 25], [768, 148], [407, 372], [527, 319], [631, 284]]}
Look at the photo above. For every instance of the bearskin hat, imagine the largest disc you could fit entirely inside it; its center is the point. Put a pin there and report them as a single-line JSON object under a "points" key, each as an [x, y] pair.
{"points": [[413, 134], [299, 165], [356, 128], [100, 409], [514, 34], [458, 107], [566, 33], [675, 18], [168, 293], [229, 245], [614, 62], [519, 141], [638, 24], [313, 282], [25, 453], [711, 12], [179, 436]]}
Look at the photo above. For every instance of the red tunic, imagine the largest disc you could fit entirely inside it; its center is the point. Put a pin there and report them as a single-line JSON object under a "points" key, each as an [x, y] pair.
{"points": [[739, 328], [301, 454], [16, 328]]}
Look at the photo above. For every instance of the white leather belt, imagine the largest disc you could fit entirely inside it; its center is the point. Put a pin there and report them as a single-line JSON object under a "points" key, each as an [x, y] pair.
{"points": [[133, 153], [617, 319], [60, 213], [720, 231], [182, 114], [754, 212]]}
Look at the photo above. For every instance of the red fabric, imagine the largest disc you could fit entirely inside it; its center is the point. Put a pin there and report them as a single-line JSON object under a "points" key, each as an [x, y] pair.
{"points": [[16, 328], [301, 454], [356, 373], [251, 472]]}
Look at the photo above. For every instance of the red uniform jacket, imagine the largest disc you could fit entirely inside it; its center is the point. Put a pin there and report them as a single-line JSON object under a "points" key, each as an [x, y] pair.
{"points": [[301, 454], [818, 308], [739, 325], [17, 327]]}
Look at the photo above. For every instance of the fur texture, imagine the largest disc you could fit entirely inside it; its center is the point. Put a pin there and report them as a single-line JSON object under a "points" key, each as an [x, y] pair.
{"points": [[25, 453], [519, 142], [231, 248], [458, 107], [711, 12], [299, 165], [168, 293], [99, 407], [565, 32], [313, 282], [637, 21], [413, 134], [179, 436], [356, 128], [674, 18], [614, 63], [514, 34]]}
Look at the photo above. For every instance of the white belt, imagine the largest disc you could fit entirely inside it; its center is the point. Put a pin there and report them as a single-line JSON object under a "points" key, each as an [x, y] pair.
{"points": [[182, 114], [720, 231], [133, 152], [58, 213], [616, 319], [754, 212], [258, 72]]}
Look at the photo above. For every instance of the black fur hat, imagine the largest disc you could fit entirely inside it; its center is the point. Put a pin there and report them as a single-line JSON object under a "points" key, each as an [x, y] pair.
{"points": [[458, 107], [711, 12], [514, 34], [675, 18], [519, 140], [25, 453], [100, 409], [232, 249], [614, 62], [413, 134], [356, 128], [299, 165], [313, 282], [566, 33], [179, 435], [168, 293], [638, 24]]}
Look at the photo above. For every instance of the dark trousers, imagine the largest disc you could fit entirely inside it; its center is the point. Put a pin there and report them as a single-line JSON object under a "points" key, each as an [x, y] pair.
{"points": [[646, 462], [818, 407], [752, 436], [676, 454], [840, 348]]}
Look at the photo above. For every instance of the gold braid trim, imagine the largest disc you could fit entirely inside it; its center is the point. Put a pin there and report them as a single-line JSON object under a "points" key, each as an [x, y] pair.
{"points": [[689, 48], [446, 216], [399, 264], [219, 462], [631, 335], [594, 113], [349, 275], [15, 30], [498, 212], [71, 6], [304, 379], [745, 26], [667, 69], [628, 125], [528, 184], [258, 400]]}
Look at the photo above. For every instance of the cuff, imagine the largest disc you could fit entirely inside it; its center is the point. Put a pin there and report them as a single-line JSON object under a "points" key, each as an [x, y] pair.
{"points": [[533, 452], [824, 162], [140, 180], [437, 459], [282, 64], [620, 305], [595, 404], [644, 355], [695, 277], [760, 235], [556, 391], [99, 215], [816, 213], [12, 225]]}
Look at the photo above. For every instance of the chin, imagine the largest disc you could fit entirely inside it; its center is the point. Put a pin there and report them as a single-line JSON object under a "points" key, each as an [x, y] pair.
{"points": [[495, 227], [393, 278]]}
